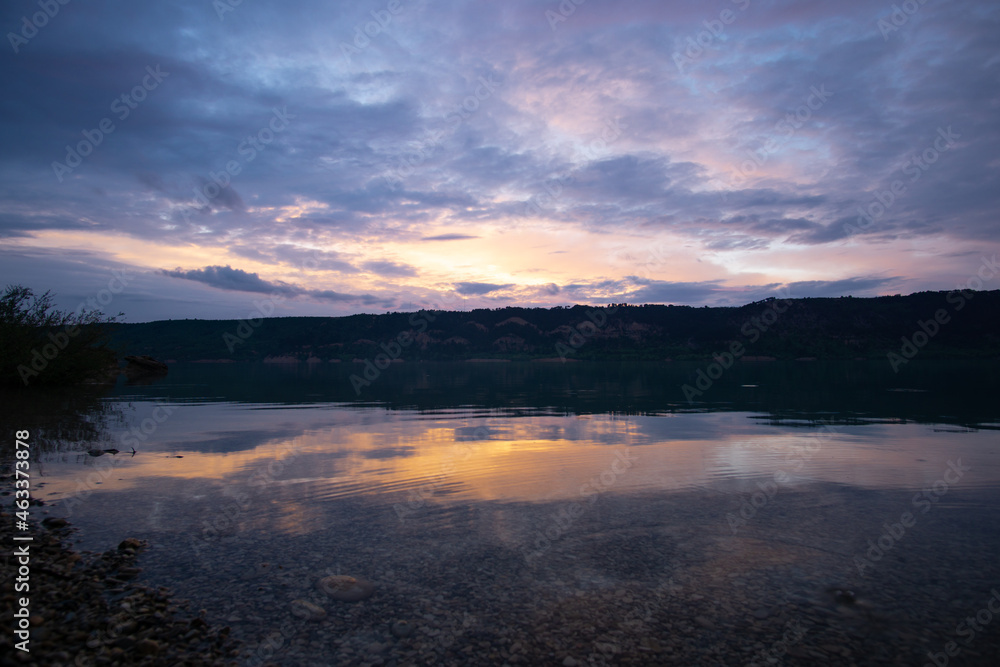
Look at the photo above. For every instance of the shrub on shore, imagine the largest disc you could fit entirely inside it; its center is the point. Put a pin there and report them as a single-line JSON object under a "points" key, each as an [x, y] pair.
{"points": [[40, 345]]}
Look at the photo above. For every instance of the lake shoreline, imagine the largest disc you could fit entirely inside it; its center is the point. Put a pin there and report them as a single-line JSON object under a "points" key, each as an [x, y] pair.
{"points": [[669, 580], [525, 513], [84, 610]]}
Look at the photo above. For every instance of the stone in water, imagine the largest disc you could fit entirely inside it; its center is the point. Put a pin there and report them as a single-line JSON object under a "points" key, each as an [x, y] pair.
{"points": [[346, 589], [403, 629], [307, 610]]}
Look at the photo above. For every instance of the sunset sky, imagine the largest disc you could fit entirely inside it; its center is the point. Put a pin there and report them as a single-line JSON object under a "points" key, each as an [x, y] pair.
{"points": [[186, 159]]}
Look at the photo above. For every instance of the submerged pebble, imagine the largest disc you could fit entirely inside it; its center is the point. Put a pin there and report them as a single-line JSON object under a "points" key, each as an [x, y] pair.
{"points": [[307, 610], [346, 589], [403, 629]]}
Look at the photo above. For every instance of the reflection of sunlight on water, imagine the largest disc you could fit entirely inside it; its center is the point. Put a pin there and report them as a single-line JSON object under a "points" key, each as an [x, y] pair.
{"points": [[425, 460], [459, 508]]}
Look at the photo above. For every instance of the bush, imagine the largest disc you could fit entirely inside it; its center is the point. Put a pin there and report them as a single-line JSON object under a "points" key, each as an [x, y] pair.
{"points": [[41, 345]]}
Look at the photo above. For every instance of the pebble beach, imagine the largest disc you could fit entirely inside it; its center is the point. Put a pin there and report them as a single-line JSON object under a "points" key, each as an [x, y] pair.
{"points": [[86, 609], [664, 584]]}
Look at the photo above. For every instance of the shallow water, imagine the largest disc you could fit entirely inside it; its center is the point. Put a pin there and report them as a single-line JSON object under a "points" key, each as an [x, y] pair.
{"points": [[531, 513]]}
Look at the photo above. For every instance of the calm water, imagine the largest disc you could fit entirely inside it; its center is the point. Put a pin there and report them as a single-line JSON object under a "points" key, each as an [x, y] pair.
{"points": [[545, 514]]}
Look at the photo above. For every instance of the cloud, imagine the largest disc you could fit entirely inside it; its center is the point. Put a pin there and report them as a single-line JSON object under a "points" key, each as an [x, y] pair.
{"points": [[656, 291], [860, 286], [448, 237], [228, 278], [390, 269], [590, 132], [479, 289], [838, 229], [226, 197]]}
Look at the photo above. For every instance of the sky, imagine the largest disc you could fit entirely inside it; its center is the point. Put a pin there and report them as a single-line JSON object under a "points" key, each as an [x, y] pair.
{"points": [[222, 158]]}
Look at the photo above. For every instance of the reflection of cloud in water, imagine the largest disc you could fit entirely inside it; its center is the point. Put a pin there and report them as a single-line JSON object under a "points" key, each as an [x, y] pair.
{"points": [[386, 455], [234, 441], [387, 452], [484, 432]]}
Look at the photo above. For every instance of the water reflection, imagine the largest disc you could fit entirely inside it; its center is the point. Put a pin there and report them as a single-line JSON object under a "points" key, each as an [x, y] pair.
{"points": [[462, 456], [959, 393], [599, 510]]}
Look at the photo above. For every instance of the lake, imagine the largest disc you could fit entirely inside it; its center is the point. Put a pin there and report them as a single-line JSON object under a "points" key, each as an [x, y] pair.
{"points": [[547, 513]]}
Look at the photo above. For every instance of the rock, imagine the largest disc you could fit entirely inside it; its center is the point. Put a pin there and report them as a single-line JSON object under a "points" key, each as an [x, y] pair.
{"points": [[570, 662], [307, 610], [403, 629], [147, 647], [131, 543], [99, 631], [650, 644], [143, 369], [346, 589], [53, 523], [256, 571], [704, 622], [843, 596], [144, 365]]}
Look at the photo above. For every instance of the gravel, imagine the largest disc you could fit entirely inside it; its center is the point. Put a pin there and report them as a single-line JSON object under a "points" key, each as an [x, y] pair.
{"points": [[86, 611]]}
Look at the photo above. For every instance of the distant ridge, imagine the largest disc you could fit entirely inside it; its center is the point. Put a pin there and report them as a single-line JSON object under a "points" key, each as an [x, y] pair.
{"points": [[926, 324]]}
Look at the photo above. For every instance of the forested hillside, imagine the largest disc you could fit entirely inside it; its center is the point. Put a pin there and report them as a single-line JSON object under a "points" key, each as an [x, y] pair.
{"points": [[931, 324]]}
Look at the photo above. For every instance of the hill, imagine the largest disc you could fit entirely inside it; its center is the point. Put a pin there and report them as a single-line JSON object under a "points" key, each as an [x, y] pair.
{"points": [[931, 324]]}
